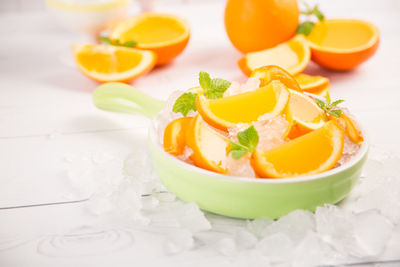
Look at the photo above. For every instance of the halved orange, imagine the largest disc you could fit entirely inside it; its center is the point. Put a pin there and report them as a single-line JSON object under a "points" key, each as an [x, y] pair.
{"points": [[303, 114], [209, 147], [106, 63], [269, 73], [313, 153], [292, 56], [343, 44], [175, 136], [313, 84], [224, 113], [165, 34]]}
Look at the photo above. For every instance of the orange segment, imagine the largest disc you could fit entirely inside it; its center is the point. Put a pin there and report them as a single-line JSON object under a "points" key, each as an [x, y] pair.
{"points": [[166, 35], [292, 56], [226, 112], [209, 147], [312, 153], [350, 126], [313, 84], [269, 73], [304, 114], [175, 136], [106, 63], [343, 44]]}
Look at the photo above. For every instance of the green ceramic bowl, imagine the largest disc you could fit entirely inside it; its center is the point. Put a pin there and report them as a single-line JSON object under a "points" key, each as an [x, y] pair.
{"points": [[232, 196]]}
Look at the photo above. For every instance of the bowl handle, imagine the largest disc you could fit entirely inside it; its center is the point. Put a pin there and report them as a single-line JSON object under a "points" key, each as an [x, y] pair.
{"points": [[121, 97]]}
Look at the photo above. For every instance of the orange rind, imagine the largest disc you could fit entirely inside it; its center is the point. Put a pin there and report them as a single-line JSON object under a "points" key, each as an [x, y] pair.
{"points": [[175, 136], [317, 85], [313, 153], [269, 73]]}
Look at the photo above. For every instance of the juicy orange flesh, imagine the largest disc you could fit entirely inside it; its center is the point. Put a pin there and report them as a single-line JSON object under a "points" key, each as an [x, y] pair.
{"points": [[317, 145], [154, 30], [304, 79], [108, 61], [301, 108], [341, 34], [282, 55], [245, 107], [212, 145], [174, 136]]}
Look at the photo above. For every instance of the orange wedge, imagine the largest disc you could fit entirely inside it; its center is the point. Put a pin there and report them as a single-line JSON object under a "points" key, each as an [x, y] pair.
{"points": [[303, 114], [175, 136], [309, 154], [313, 84], [350, 126], [292, 56], [166, 35], [224, 113], [343, 44], [269, 73], [106, 63], [209, 147]]}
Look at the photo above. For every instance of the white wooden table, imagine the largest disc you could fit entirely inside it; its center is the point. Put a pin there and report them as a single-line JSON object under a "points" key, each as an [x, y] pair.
{"points": [[46, 114]]}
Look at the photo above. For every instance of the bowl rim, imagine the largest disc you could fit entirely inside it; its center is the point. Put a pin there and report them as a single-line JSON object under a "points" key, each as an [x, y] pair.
{"points": [[231, 178], [372, 41]]}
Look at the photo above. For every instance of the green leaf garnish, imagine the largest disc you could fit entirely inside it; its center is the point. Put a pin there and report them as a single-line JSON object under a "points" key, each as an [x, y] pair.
{"points": [[117, 42], [248, 140], [213, 88], [328, 107], [307, 26], [185, 103]]}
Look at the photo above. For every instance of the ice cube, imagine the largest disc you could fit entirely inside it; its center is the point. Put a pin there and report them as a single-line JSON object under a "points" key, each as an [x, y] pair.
{"points": [[226, 246], [309, 251], [149, 202], [248, 258], [178, 240], [277, 247], [192, 218], [245, 239], [257, 226], [372, 231], [295, 225], [392, 250]]}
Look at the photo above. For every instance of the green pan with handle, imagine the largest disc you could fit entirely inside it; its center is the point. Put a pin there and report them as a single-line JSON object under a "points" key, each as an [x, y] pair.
{"points": [[232, 196]]}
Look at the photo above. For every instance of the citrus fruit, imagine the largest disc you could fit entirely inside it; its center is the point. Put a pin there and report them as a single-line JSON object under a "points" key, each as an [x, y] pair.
{"points": [[209, 147], [318, 85], [292, 56], [106, 63], [175, 136], [269, 73], [313, 153], [350, 127], [224, 113], [166, 35], [303, 114], [343, 44], [253, 25]]}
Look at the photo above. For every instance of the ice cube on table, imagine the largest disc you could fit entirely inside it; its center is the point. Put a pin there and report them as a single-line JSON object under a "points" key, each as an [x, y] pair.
{"points": [[178, 240], [257, 226], [277, 247], [226, 246], [245, 239], [248, 258]]}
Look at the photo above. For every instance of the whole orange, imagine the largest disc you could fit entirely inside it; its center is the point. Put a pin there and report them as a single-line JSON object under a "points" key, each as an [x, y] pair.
{"points": [[254, 25]]}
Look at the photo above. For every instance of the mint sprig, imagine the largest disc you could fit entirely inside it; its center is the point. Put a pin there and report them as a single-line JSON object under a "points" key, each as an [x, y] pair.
{"points": [[328, 107], [185, 103], [107, 40], [213, 88], [307, 26], [248, 140]]}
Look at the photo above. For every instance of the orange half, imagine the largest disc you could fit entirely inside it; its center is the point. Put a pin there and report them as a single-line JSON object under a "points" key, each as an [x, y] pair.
{"points": [[166, 35], [292, 56], [224, 113], [106, 63], [343, 44], [310, 154]]}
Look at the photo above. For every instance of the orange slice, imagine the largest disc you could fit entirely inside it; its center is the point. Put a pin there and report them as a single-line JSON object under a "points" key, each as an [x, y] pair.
{"points": [[106, 63], [175, 136], [303, 114], [166, 35], [350, 126], [343, 44], [309, 154], [224, 113], [269, 73], [313, 84], [292, 56], [209, 147]]}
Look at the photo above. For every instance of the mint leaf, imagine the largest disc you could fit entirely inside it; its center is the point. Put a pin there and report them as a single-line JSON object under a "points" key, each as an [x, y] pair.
{"points": [[335, 112], [213, 88], [328, 99], [130, 44], [320, 103], [105, 39], [337, 102], [305, 28], [185, 103], [328, 106], [117, 42], [248, 140], [316, 12]]}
